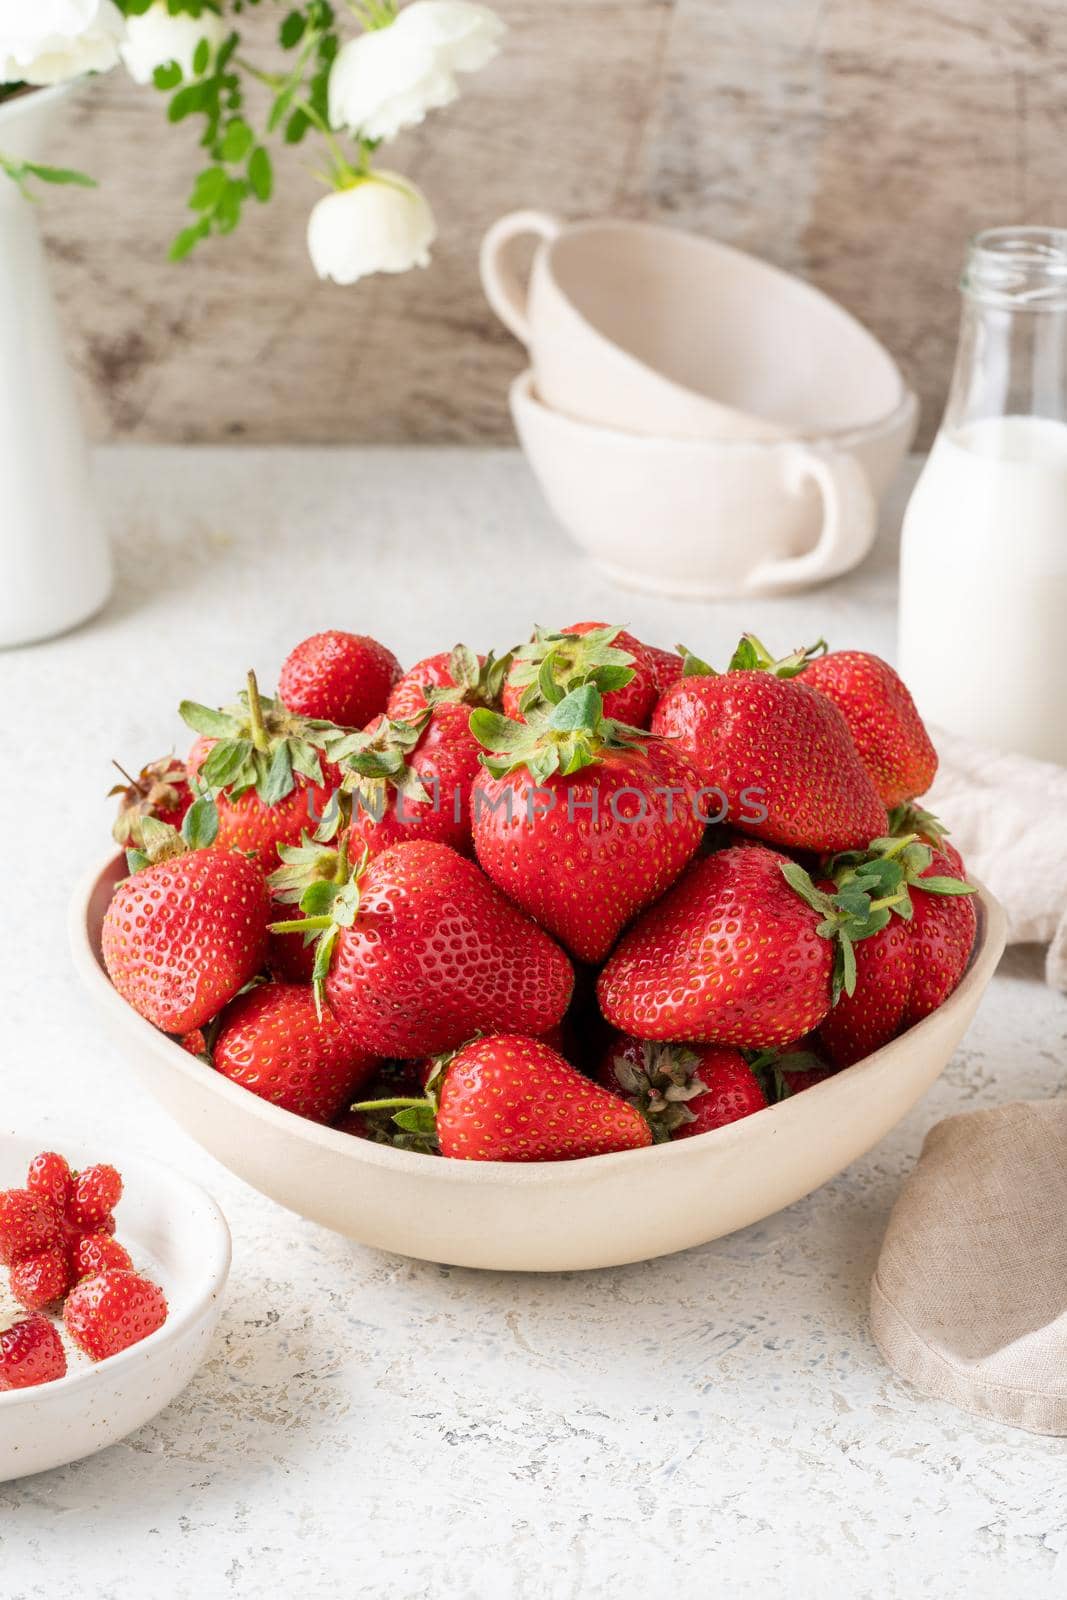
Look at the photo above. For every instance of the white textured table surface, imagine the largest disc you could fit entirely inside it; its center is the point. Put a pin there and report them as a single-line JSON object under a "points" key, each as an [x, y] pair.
{"points": [[713, 1422]]}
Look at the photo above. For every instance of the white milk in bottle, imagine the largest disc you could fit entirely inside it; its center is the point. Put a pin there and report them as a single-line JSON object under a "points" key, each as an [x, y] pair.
{"points": [[983, 597]]}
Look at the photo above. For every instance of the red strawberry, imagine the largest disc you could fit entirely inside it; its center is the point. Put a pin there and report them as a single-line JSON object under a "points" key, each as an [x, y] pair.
{"points": [[682, 1089], [31, 1352], [731, 955], [579, 820], [289, 960], [912, 966], [779, 752], [272, 1042], [667, 667], [28, 1225], [161, 790], [424, 952], [338, 677], [195, 1043], [97, 1252], [264, 767], [112, 1311], [587, 652], [182, 935], [457, 677], [96, 1192], [51, 1180], [509, 1098], [39, 1281], [886, 729], [413, 780]]}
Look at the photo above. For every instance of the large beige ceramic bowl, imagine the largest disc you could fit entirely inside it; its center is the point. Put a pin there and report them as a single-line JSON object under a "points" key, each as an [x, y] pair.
{"points": [[548, 1216]]}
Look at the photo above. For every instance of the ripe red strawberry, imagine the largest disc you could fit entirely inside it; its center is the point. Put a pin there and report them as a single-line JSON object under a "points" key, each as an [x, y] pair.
{"points": [[289, 960], [424, 951], [413, 780], [579, 820], [338, 677], [265, 768], [28, 1225], [682, 1089], [779, 751], [912, 966], [51, 1180], [39, 1281], [272, 1042], [456, 677], [667, 667], [511, 1098], [161, 790], [886, 729], [95, 1193], [182, 935], [112, 1311], [731, 955], [97, 1252], [587, 652], [31, 1352]]}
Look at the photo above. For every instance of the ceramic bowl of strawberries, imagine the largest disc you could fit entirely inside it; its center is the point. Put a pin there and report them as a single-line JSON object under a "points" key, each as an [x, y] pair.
{"points": [[567, 956], [111, 1281]]}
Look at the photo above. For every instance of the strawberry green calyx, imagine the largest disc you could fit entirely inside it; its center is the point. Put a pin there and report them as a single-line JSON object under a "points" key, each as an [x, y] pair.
{"points": [[161, 842], [847, 916], [328, 898], [561, 737], [259, 745], [553, 664], [474, 682], [914, 818], [379, 759], [753, 656], [410, 1122], [889, 869], [660, 1086], [157, 788], [771, 1068]]}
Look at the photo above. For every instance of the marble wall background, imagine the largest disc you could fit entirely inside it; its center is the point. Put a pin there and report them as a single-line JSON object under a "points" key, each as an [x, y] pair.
{"points": [[858, 142]]}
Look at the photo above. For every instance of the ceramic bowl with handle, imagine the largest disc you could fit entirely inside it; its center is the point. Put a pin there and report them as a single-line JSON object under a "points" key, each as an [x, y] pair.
{"points": [[698, 518], [538, 1216], [177, 1236]]}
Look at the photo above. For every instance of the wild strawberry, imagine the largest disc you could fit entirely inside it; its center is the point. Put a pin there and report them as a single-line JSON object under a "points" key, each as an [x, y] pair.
{"points": [[97, 1252], [161, 790], [667, 667], [265, 769], [338, 677], [579, 819], [272, 1041], [681, 1089], [587, 652], [420, 951], [412, 780], [31, 1352], [96, 1192], [185, 932], [28, 1225], [51, 1180], [886, 729], [779, 752], [734, 955], [912, 965], [510, 1098], [113, 1311], [456, 677]]}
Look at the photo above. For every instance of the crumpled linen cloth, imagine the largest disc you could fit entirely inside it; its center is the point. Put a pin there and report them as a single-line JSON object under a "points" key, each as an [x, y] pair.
{"points": [[969, 1299], [1007, 815]]}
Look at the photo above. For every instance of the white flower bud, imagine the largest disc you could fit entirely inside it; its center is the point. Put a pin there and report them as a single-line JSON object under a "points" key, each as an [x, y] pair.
{"points": [[383, 223], [155, 38]]}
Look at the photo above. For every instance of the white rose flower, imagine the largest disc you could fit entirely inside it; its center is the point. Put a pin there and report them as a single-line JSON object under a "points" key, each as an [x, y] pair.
{"points": [[50, 41], [155, 38], [388, 79], [383, 223]]}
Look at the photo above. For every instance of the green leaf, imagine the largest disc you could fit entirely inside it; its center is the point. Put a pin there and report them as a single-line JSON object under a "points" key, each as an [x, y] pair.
{"points": [[318, 898], [187, 101], [279, 780], [58, 174], [296, 127], [200, 825], [261, 174], [494, 731], [937, 885], [292, 30], [237, 140], [188, 239], [205, 720], [582, 708], [225, 762], [693, 666], [207, 190], [417, 1119], [168, 76], [201, 58]]}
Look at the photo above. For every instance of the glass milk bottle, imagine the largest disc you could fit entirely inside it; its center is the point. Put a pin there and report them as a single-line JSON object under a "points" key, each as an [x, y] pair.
{"points": [[983, 582]]}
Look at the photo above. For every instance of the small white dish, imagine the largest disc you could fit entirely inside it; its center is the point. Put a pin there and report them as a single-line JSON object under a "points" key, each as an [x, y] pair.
{"points": [[550, 1216], [177, 1236]]}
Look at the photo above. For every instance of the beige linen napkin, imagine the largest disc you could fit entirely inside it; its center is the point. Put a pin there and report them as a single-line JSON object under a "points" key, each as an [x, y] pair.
{"points": [[1007, 815], [969, 1299]]}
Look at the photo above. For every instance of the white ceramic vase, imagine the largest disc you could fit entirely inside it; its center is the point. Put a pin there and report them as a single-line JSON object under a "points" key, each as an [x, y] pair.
{"points": [[55, 566]]}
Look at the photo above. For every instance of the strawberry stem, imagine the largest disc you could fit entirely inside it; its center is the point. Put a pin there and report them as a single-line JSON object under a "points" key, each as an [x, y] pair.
{"points": [[255, 714], [401, 1103], [303, 925]]}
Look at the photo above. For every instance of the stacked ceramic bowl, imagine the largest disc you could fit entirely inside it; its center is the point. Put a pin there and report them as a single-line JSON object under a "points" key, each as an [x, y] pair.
{"points": [[702, 423]]}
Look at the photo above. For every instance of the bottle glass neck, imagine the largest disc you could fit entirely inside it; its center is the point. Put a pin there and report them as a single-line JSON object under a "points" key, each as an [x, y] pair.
{"points": [[1012, 354]]}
